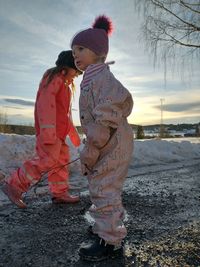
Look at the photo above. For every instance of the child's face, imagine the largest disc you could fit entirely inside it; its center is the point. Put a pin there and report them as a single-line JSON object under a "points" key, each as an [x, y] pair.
{"points": [[83, 57]]}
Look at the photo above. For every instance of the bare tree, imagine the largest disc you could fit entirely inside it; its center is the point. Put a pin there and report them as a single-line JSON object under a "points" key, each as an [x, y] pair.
{"points": [[172, 30], [3, 123], [140, 132]]}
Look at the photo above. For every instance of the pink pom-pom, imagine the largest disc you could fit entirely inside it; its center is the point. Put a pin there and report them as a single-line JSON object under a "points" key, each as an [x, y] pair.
{"points": [[103, 22]]}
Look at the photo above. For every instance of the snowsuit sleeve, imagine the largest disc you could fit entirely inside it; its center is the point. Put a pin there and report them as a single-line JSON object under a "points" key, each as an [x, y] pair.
{"points": [[114, 105], [46, 110]]}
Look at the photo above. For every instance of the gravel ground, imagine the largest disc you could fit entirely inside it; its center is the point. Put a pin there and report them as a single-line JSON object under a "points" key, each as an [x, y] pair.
{"points": [[163, 222]]}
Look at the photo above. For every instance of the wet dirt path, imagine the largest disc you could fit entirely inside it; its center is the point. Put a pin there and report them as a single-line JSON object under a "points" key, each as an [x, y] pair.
{"points": [[163, 222]]}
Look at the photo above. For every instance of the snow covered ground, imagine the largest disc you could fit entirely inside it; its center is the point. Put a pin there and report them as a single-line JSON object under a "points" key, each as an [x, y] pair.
{"points": [[14, 149], [149, 156], [161, 197]]}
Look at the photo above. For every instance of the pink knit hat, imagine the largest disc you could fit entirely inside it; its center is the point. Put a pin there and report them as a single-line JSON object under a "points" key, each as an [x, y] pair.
{"points": [[95, 38]]}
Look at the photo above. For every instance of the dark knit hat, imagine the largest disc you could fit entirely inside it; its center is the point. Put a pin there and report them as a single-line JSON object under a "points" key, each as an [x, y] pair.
{"points": [[95, 38], [66, 59]]}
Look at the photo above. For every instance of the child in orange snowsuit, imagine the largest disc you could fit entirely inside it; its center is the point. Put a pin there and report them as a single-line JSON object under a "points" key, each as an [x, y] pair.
{"points": [[53, 122], [104, 106]]}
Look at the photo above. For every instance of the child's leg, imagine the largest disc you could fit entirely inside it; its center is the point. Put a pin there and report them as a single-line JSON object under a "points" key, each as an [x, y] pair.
{"points": [[32, 170], [105, 185], [58, 177], [107, 209], [108, 212]]}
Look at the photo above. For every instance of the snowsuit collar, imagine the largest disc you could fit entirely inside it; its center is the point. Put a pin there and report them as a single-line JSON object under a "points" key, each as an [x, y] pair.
{"points": [[91, 71]]}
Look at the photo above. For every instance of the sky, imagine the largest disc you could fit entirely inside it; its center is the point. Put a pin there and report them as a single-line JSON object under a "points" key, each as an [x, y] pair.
{"points": [[33, 33]]}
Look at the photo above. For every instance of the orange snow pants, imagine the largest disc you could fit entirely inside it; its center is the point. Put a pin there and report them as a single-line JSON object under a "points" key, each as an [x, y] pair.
{"points": [[50, 159]]}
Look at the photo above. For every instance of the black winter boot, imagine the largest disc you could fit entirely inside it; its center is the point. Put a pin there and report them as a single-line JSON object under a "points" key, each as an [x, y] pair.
{"points": [[90, 231], [100, 250]]}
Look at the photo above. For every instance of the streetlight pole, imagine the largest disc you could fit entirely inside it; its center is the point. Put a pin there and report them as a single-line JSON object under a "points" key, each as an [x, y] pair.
{"points": [[161, 118]]}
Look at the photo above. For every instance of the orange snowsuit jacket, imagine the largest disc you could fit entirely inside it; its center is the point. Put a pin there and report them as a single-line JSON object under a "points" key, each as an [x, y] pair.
{"points": [[52, 110]]}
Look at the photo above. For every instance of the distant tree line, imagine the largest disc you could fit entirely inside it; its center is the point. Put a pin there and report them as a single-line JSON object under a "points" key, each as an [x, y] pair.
{"points": [[175, 127], [166, 128], [137, 129], [17, 129]]}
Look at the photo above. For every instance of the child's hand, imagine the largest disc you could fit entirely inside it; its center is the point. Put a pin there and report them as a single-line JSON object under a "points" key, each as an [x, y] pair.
{"points": [[89, 155], [74, 137], [84, 169]]}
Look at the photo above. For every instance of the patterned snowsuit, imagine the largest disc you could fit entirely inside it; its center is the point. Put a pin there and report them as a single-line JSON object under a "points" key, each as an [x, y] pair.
{"points": [[52, 124], [104, 107]]}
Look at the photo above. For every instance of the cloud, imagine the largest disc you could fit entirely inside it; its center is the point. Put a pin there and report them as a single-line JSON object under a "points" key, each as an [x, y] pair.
{"points": [[181, 107], [31, 40], [49, 30], [40, 29], [12, 107], [19, 101], [182, 119], [20, 119]]}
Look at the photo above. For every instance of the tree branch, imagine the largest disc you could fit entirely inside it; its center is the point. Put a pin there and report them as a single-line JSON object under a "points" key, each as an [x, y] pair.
{"points": [[187, 5], [170, 32], [169, 25], [176, 41], [170, 12], [163, 27]]}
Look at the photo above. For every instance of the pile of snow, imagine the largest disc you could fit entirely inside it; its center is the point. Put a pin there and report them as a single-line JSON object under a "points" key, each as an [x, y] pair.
{"points": [[14, 149], [153, 152]]}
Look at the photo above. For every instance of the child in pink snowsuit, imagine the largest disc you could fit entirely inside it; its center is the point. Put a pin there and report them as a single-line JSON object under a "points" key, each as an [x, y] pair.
{"points": [[53, 122], [104, 106]]}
